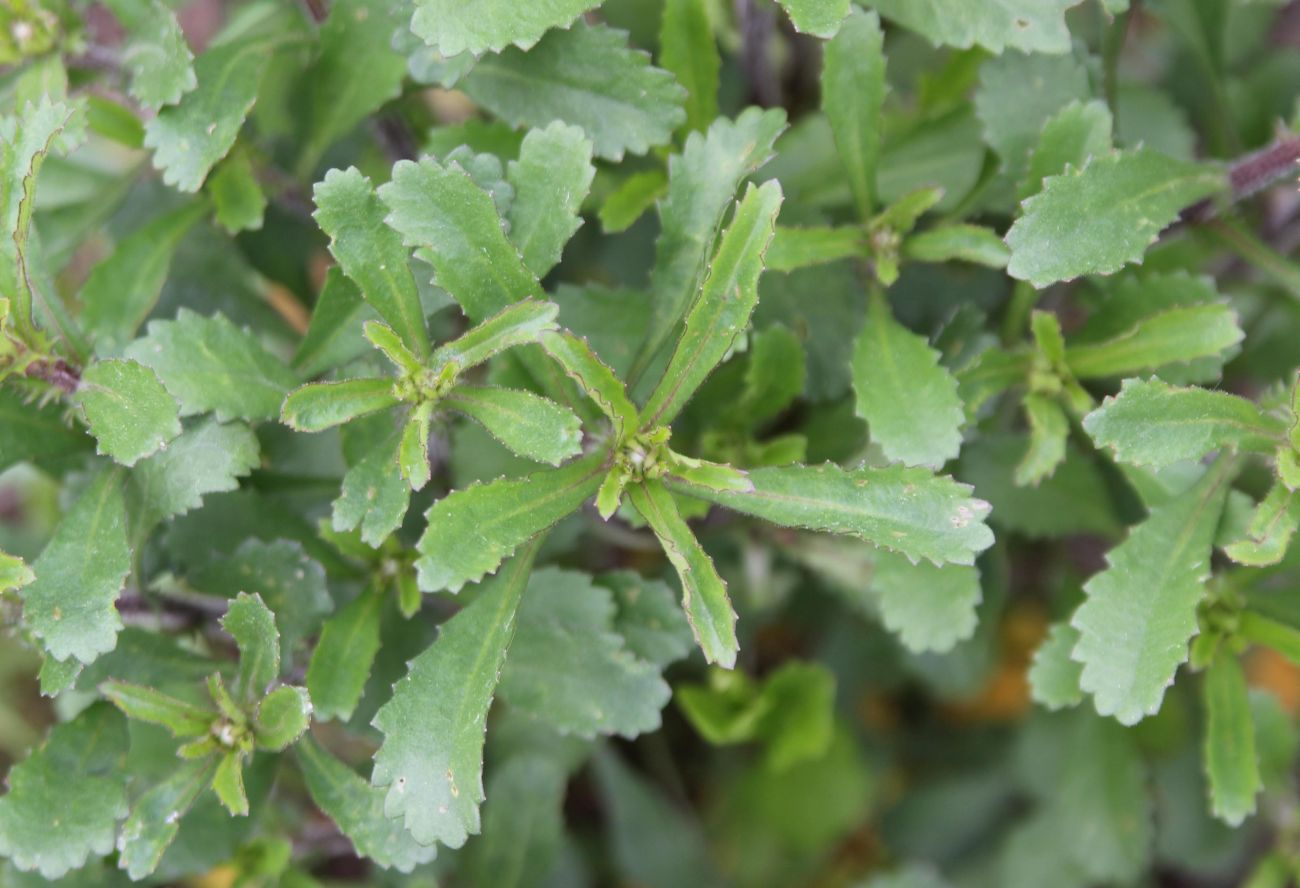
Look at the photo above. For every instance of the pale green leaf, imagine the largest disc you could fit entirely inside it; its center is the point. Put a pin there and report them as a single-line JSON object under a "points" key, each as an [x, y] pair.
{"points": [[156, 54], [413, 450], [65, 799], [588, 76], [1074, 135], [123, 289], [371, 253], [532, 426], [795, 248], [70, 606], [1179, 335], [37, 433], [357, 808], [341, 660], [853, 99], [182, 719], [334, 335], [704, 593], [207, 458], [384, 338], [155, 817], [374, 496], [519, 324], [251, 623], [523, 823], [689, 50], [905, 510], [1155, 424], [1049, 429], [630, 200], [1097, 219], [930, 608], [911, 876], [570, 669], [907, 397], [1053, 676], [1231, 762], [129, 412], [238, 201], [431, 759], [1268, 536], [821, 18], [322, 405], [471, 531], [594, 377], [208, 363], [1017, 96], [648, 618], [453, 27], [551, 179], [722, 310], [14, 574], [1140, 612], [282, 718], [1029, 25], [965, 243], [228, 784]]}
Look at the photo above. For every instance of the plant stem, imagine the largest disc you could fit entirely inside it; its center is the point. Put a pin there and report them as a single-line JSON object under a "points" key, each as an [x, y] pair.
{"points": [[1244, 242]]}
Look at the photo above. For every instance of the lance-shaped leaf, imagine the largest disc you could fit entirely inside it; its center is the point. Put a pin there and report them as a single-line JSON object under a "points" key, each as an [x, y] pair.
{"points": [[1053, 676], [1027, 25], [206, 458], [907, 397], [341, 661], [689, 49], [821, 18], [128, 410], [929, 607], [551, 178], [439, 209], [1078, 132], [251, 623], [702, 182], [1099, 218], [723, 308], [65, 799], [515, 325], [452, 27], [853, 98], [357, 808], [906, 510], [238, 201], [532, 426], [1049, 430], [1231, 761], [374, 497], [1140, 612], [189, 138], [1175, 336], [156, 54], [587, 76], [595, 378], [523, 822], [70, 606], [431, 759], [210, 364], [14, 574], [182, 719], [1272, 525], [123, 289], [472, 531], [704, 593], [156, 816], [963, 243], [334, 336], [25, 139], [371, 253], [322, 405], [795, 248], [413, 450], [1153, 423]]}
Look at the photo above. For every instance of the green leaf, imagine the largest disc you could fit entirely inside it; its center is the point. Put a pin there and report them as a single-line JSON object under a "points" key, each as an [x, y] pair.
{"points": [[282, 718], [458, 230], [123, 289], [588, 76], [821, 18], [65, 799], [322, 405], [907, 397], [371, 253], [413, 451], [70, 606], [1099, 218], [519, 324], [148, 705], [431, 759], [1272, 525], [1028, 25], [1049, 430], [595, 378], [630, 200], [1155, 424], [702, 183], [724, 305], [237, 199], [452, 28], [1053, 676], [189, 138], [207, 458], [37, 433], [689, 50], [471, 531], [905, 510], [704, 593], [650, 621], [853, 99], [341, 661], [383, 337], [155, 817], [251, 623], [965, 243], [1231, 762], [374, 496], [1178, 335], [13, 573], [1140, 612], [156, 54], [1077, 133], [210, 364], [128, 410], [795, 248], [358, 810], [523, 823], [551, 178], [930, 608], [228, 784], [530, 425], [570, 669], [334, 335]]}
